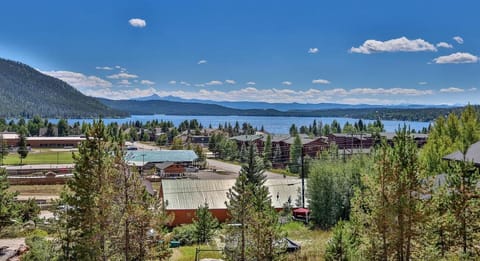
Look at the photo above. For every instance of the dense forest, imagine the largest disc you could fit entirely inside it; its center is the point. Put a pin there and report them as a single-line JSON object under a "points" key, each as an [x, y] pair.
{"points": [[26, 92]]}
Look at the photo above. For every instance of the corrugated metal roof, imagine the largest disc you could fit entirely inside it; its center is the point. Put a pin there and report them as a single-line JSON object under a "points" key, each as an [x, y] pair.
{"points": [[139, 157], [190, 194]]}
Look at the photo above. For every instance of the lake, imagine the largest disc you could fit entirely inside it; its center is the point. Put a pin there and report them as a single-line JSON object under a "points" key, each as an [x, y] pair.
{"points": [[277, 125]]}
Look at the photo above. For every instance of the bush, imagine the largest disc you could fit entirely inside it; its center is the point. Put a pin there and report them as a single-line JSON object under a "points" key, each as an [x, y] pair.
{"points": [[343, 244], [41, 249], [185, 234]]}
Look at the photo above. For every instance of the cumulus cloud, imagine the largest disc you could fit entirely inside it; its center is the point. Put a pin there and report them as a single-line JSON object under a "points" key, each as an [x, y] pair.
{"points": [[458, 39], [122, 75], [79, 80], [313, 50], [357, 95], [214, 82], [251, 83], [202, 62], [107, 68], [185, 83], [199, 85], [452, 90], [472, 89], [288, 83], [422, 83], [444, 45], [321, 81], [456, 58], [401, 44], [124, 82], [230, 81], [137, 22], [147, 82], [172, 82]]}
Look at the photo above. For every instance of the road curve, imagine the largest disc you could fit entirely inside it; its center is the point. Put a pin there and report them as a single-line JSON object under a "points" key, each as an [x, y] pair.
{"points": [[229, 167]]}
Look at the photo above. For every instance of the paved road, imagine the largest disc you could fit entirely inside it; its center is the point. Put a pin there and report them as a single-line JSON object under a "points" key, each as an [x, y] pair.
{"points": [[142, 146], [235, 169]]}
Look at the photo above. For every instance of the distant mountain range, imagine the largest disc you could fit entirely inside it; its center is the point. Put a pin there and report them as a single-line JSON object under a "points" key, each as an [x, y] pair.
{"points": [[186, 107], [25, 92], [246, 105]]}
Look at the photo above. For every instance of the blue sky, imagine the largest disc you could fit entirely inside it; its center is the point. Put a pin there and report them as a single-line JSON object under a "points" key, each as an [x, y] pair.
{"points": [[376, 52]]}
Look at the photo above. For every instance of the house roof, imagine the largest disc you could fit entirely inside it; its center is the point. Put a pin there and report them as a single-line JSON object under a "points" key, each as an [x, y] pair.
{"points": [[303, 139], [473, 154], [183, 194], [141, 157], [391, 135], [246, 138], [163, 165], [362, 136]]}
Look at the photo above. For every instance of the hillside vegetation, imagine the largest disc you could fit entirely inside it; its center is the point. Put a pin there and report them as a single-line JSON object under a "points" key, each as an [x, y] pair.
{"points": [[25, 92]]}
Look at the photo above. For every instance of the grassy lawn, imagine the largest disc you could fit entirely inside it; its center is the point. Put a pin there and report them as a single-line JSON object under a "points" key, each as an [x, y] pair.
{"points": [[44, 157], [313, 241], [187, 253]]}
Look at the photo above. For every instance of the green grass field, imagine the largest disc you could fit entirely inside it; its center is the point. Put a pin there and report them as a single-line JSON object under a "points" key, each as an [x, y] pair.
{"points": [[43, 157], [187, 253], [313, 241]]}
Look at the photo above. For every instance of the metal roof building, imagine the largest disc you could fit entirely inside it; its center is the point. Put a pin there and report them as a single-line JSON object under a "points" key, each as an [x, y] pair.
{"points": [[141, 158], [183, 196], [473, 155]]}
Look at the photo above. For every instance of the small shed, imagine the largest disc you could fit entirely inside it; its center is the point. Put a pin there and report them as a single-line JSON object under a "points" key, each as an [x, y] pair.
{"points": [[301, 214], [169, 169]]}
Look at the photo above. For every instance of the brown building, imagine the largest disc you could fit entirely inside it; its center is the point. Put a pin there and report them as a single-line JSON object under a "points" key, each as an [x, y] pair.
{"points": [[182, 197], [12, 139], [351, 141]]}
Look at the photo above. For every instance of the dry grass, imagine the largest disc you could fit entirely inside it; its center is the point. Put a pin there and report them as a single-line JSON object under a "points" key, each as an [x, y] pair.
{"points": [[313, 241], [37, 190]]}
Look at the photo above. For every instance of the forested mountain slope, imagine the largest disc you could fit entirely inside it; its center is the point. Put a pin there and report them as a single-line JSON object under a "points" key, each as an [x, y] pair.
{"points": [[25, 92]]}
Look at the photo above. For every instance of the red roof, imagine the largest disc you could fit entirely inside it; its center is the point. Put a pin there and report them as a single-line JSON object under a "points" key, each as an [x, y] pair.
{"points": [[301, 211]]}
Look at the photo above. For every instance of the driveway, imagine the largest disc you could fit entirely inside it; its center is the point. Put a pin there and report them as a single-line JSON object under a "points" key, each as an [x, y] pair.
{"points": [[235, 169]]}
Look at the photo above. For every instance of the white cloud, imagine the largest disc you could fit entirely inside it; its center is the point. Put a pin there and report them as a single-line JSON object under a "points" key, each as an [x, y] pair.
{"points": [[122, 75], [147, 82], [353, 96], [185, 83], [199, 85], [230, 81], [422, 83], [458, 39], [456, 58], [288, 83], [452, 90], [401, 44], [124, 82], [202, 62], [321, 81], [251, 83], [107, 68], [172, 82], [214, 83], [313, 50], [444, 45], [472, 89], [137, 22], [79, 80]]}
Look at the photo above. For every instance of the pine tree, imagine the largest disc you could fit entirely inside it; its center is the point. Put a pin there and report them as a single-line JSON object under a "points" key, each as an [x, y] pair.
{"points": [[22, 144], [205, 223], [8, 210], [90, 200], [389, 209], [267, 152], [295, 154]]}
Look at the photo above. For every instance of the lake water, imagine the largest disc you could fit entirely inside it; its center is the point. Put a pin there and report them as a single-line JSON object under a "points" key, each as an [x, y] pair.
{"points": [[277, 125]]}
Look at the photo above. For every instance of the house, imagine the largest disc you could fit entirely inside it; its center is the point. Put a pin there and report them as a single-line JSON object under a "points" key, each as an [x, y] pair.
{"points": [[419, 138], [182, 197], [311, 146], [200, 140], [351, 141], [169, 169], [12, 139], [245, 140], [472, 155]]}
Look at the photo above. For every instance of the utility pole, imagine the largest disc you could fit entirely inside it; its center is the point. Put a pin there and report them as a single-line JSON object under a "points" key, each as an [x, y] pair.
{"points": [[303, 178]]}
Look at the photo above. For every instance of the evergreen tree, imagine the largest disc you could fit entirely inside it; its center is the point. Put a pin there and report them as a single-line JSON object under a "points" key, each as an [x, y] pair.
{"points": [[8, 210], [22, 145], [90, 200], [267, 152], [62, 128], [295, 154], [389, 208], [205, 223]]}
